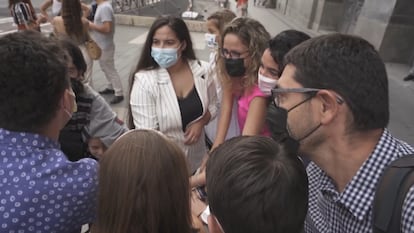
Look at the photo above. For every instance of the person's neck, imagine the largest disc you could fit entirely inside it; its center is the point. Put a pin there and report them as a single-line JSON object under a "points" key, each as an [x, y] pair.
{"points": [[52, 129], [177, 67], [50, 132], [340, 157]]}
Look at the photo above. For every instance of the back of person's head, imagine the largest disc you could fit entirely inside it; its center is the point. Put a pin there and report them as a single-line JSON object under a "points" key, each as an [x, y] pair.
{"points": [[255, 185], [143, 186], [255, 37], [72, 19], [182, 33], [280, 45], [350, 66], [33, 79]]}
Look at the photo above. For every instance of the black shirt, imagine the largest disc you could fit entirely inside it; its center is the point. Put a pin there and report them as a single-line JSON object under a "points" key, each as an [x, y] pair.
{"points": [[190, 107]]}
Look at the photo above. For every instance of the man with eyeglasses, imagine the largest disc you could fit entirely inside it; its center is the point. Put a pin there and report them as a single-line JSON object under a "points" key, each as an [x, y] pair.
{"points": [[334, 93]]}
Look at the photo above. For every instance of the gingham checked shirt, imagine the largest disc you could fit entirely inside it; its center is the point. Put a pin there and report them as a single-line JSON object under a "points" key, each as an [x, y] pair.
{"points": [[351, 211]]}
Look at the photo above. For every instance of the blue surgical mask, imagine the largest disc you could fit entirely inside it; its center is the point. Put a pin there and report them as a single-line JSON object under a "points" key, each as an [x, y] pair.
{"points": [[165, 57]]}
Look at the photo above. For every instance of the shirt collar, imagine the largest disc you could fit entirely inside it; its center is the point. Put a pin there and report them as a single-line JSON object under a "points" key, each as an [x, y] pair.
{"points": [[359, 193], [26, 139]]}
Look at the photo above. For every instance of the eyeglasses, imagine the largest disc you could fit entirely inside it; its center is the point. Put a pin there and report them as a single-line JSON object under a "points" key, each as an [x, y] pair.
{"points": [[278, 92], [231, 54]]}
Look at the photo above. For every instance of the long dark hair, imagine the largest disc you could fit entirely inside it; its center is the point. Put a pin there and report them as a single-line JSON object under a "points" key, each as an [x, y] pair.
{"points": [[143, 186], [72, 19], [146, 62], [79, 61]]}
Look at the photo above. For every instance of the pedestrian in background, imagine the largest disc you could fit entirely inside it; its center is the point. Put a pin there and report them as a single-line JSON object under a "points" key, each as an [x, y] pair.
{"points": [[241, 6], [24, 15], [72, 25], [52, 8], [103, 31]]}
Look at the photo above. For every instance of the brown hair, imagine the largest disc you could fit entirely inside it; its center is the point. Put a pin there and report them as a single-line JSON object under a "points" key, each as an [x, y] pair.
{"points": [[222, 18], [72, 19], [143, 186], [255, 37]]}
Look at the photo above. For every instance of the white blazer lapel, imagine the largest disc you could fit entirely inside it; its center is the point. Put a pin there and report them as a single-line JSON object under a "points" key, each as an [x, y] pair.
{"points": [[200, 82], [168, 108]]}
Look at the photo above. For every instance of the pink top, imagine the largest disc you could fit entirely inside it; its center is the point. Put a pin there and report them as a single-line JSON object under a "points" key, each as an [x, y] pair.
{"points": [[244, 102]]}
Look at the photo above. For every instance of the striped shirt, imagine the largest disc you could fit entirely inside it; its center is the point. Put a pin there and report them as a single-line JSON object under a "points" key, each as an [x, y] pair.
{"points": [[23, 15]]}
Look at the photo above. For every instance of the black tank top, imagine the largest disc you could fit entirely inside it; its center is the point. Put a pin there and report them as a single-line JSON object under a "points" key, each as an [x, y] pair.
{"points": [[190, 107]]}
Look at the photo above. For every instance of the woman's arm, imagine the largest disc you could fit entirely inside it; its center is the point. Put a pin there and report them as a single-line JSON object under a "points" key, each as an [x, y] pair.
{"points": [[256, 116], [43, 8], [104, 123], [224, 117], [143, 105], [193, 131], [85, 10]]}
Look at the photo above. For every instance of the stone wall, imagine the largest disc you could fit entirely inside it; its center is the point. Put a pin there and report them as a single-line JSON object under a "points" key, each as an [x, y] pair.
{"points": [[299, 10], [389, 26]]}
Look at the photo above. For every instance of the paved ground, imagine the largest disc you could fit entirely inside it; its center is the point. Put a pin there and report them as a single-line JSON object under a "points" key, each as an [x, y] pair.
{"points": [[129, 42]]}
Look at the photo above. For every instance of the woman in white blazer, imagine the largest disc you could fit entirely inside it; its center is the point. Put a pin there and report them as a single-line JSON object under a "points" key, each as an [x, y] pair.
{"points": [[171, 90]]}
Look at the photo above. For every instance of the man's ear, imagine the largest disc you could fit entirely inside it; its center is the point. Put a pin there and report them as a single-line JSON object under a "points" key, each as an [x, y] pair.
{"points": [[213, 224], [330, 106]]}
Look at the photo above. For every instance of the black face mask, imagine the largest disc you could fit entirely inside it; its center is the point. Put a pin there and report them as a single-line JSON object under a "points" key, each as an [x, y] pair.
{"points": [[280, 130], [235, 67], [277, 122]]}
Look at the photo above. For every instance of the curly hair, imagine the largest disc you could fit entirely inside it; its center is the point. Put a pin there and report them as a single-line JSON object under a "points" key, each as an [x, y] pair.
{"points": [[255, 37], [33, 78]]}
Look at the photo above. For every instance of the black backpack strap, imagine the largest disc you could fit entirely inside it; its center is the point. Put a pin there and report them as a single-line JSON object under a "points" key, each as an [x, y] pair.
{"points": [[391, 191]]}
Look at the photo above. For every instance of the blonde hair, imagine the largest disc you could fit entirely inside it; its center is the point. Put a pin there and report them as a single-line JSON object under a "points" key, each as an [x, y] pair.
{"points": [[255, 37]]}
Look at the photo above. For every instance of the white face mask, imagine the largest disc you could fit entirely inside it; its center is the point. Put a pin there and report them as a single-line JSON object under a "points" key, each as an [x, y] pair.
{"points": [[266, 84], [210, 40]]}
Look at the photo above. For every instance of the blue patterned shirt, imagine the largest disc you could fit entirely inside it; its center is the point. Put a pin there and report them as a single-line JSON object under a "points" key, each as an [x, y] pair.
{"points": [[351, 211], [40, 190]]}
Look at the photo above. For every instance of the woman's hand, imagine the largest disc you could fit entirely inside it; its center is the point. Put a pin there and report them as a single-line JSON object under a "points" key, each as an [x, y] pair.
{"points": [[193, 132]]}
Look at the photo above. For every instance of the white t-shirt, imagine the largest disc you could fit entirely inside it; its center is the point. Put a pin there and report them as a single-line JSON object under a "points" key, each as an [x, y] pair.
{"points": [[104, 13], [56, 7]]}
